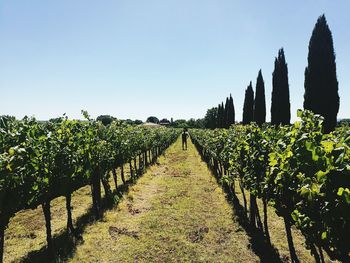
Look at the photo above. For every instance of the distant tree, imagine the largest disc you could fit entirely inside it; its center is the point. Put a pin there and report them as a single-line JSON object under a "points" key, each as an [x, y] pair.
{"points": [[259, 103], [280, 104], [230, 112], [219, 117], [129, 121], [200, 124], [210, 119], [248, 107], [181, 123], [321, 84], [105, 119], [56, 120], [191, 123], [138, 122], [132, 122], [222, 116], [226, 114], [152, 119]]}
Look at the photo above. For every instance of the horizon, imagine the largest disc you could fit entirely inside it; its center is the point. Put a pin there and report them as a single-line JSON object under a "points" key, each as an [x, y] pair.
{"points": [[132, 60]]}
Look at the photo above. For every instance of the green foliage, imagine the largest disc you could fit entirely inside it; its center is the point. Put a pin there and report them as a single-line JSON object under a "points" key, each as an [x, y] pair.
{"points": [[105, 119], [40, 161], [302, 172], [210, 119]]}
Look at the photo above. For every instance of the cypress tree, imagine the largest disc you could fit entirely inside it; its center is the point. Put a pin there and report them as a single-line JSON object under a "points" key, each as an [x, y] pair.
{"points": [[226, 114], [222, 116], [280, 104], [248, 106], [231, 112], [259, 103], [217, 125], [321, 84], [214, 119]]}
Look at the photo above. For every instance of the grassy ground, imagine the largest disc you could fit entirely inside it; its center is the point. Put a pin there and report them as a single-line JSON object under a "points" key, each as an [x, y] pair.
{"points": [[175, 213], [25, 237], [279, 237], [278, 234]]}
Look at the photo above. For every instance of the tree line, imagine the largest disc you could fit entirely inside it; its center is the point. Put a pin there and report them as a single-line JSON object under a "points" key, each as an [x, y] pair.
{"points": [[222, 116], [321, 88]]}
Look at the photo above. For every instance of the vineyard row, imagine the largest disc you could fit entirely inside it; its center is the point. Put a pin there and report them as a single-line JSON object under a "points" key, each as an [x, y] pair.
{"points": [[40, 161], [300, 171]]}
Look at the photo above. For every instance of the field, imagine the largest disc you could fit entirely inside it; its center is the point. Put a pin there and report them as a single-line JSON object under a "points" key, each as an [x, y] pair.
{"points": [[176, 212], [265, 176], [83, 191]]}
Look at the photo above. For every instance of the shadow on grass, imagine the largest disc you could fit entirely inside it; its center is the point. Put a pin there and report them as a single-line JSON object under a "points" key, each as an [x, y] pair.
{"points": [[258, 242], [64, 243], [257, 239]]}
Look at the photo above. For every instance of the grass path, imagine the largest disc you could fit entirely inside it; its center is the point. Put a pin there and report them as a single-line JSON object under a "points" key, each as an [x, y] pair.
{"points": [[175, 213]]}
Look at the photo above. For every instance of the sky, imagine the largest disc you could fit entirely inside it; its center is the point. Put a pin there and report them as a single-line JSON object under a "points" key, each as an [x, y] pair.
{"points": [[165, 58]]}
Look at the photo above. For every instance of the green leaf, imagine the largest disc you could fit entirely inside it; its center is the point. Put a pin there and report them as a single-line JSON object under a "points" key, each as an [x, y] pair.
{"points": [[272, 159], [328, 146], [305, 190], [308, 145], [340, 158], [340, 191], [289, 154], [8, 167], [315, 157], [324, 235], [299, 113], [347, 195], [11, 151], [297, 124], [320, 175]]}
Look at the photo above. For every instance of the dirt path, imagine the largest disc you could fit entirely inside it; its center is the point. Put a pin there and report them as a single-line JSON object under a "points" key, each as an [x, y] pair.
{"points": [[175, 213]]}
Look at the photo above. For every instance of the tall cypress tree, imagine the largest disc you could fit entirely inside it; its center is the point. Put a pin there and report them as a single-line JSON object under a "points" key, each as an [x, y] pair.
{"points": [[280, 104], [248, 106], [218, 118], [222, 121], [226, 114], [231, 112], [259, 103], [321, 84], [221, 116]]}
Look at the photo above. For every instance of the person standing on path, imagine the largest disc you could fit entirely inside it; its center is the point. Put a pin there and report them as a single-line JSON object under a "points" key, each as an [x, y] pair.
{"points": [[185, 135]]}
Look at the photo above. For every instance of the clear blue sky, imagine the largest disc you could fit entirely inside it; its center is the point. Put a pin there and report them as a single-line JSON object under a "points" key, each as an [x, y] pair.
{"points": [[168, 58]]}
